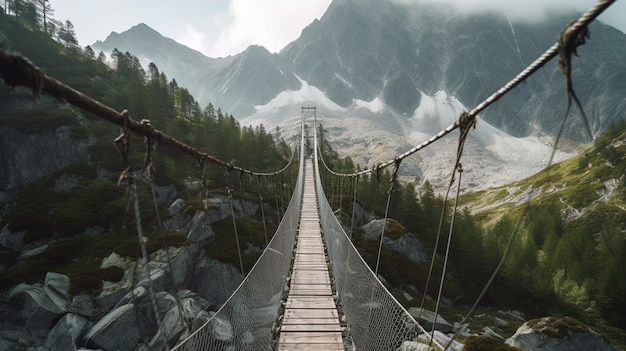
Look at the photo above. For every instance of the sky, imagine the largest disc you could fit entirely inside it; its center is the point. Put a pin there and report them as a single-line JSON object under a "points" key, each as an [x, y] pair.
{"points": [[219, 28]]}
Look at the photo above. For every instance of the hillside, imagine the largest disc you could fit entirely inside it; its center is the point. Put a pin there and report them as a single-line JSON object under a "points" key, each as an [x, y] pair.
{"points": [[567, 223], [71, 249]]}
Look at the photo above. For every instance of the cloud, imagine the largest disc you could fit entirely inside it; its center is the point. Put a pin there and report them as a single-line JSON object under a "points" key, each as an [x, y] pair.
{"points": [[515, 9], [193, 38], [272, 24]]}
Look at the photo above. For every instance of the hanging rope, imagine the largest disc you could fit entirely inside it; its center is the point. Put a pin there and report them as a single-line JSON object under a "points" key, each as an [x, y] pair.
{"points": [[149, 173], [392, 182], [122, 143], [356, 183], [447, 255], [232, 213], [258, 184], [466, 124], [569, 40]]}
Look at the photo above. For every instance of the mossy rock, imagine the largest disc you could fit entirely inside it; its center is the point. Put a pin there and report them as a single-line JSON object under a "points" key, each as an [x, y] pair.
{"points": [[557, 327], [486, 343]]}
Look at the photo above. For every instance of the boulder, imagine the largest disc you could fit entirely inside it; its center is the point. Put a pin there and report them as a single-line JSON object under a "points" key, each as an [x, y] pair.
{"points": [[413, 346], [33, 308], [215, 281], [492, 334], [427, 319], [57, 287], [118, 330], [13, 338], [84, 305], [562, 334], [200, 229], [65, 333], [164, 193], [407, 244], [444, 340], [11, 240], [176, 206]]}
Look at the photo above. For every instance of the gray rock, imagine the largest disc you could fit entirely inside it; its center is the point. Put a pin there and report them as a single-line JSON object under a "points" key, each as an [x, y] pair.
{"points": [[444, 340], [11, 240], [118, 330], [407, 244], [178, 224], [50, 150], [30, 252], [413, 346], [164, 194], [57, 287], [200, 227], [177, 206], [84, 305], [490, 333], [113, 260], [538, 335], [427, 319], [33, 308], [14, 338], [500, 323], [65, 333], [215, 281]]}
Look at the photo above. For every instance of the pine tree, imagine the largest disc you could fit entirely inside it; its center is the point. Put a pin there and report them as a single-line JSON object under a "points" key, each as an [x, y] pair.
{"points": [[45, 10]]}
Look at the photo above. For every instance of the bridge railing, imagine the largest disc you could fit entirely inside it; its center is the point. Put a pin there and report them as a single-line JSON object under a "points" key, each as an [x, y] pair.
{"points": [[246, 319], [375, 319]]}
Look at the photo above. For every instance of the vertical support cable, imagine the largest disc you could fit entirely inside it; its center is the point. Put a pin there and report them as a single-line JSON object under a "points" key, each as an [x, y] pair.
{"points": [[232, 212]]}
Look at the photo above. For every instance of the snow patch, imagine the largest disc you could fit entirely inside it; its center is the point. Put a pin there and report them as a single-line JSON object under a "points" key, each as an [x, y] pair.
{"points": [[306, 94], [377, 105]]}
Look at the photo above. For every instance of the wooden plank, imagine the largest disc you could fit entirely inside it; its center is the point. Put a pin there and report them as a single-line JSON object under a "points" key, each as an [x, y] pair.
{"points": [[296, 301], [305, 338], [307, 327], [303, 313], [310, 321], [311, 347]]}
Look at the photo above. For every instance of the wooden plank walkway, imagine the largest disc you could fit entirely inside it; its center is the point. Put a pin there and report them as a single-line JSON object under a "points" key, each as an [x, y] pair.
{"points": [[311, 321]]}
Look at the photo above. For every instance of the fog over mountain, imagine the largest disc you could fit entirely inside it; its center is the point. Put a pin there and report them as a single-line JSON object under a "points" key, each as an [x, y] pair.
{"points": [[385, 75]]}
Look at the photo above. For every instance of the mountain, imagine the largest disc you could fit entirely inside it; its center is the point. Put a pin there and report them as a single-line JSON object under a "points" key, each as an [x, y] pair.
{"points": [[385, 75], [234, 83]]}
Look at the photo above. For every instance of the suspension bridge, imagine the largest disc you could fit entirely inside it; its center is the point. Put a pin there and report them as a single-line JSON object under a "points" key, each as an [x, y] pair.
{"points": [[310, 289]]}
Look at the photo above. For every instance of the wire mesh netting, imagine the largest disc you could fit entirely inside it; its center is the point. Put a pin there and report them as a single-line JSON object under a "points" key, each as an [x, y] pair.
{"points": [[375, 319], [246, 319]]}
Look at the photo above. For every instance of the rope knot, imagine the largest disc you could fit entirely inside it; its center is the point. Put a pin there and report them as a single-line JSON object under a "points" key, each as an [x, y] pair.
{"points": [[569, 40], [122, 144]]}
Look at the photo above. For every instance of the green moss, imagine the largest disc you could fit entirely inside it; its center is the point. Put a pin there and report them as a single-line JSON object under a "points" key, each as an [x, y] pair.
{"points": [[557, 327], [38, 121], [394, 230], [80, 258]]}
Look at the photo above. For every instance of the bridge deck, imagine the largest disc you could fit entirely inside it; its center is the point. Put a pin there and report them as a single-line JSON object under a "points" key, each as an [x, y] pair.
{"points": [[311, 321]]}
